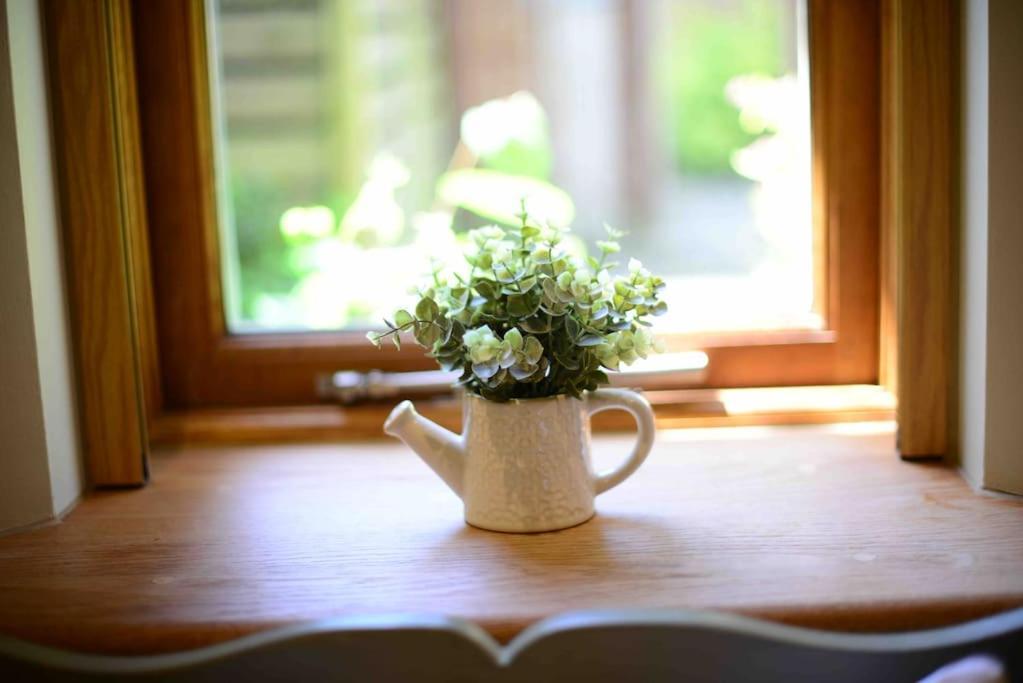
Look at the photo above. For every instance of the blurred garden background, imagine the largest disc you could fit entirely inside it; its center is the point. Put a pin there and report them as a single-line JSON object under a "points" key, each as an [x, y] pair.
{"points": [[359, 139]]}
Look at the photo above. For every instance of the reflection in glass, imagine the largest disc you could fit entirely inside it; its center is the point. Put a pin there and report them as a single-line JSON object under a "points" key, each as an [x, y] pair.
{"points": [[358, 139]]}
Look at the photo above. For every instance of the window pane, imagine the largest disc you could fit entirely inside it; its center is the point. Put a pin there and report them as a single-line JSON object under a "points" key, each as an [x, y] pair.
{"points": [[358, 139]]}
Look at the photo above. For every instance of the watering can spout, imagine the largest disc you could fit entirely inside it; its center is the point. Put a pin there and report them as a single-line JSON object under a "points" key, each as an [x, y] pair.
{"points": [[442, 450]]}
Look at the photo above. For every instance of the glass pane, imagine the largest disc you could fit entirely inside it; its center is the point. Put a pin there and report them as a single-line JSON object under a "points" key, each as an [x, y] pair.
{"points": [[358, 139]]}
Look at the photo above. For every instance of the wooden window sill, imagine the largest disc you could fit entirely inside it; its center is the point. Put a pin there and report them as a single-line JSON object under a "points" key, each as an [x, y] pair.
{"points": [[673, 409], [820, 526]]}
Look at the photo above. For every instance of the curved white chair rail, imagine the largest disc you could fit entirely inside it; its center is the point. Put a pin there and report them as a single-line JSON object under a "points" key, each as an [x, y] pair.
{"points": [[601, 645]]}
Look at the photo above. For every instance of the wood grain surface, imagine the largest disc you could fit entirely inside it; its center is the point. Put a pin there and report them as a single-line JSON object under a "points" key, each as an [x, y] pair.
{"points": [[96, 157], [918, 116], [815, 526], [673, 409], [133, 202]]}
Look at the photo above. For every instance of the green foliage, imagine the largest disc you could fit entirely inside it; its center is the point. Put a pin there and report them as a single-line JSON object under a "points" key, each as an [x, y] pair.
{"points": [[491, 194], [709, 47], [262, 249], [290, 233], [271, 262], [531, 320], [510, 135]]}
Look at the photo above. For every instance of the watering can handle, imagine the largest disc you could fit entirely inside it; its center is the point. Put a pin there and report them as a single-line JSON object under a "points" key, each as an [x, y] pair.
{"points": [[639, 407]]}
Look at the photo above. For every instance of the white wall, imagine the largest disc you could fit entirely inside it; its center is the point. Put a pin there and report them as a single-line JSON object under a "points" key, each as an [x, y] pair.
{"points": [[40, 470], [991, 315], [973, 243]]}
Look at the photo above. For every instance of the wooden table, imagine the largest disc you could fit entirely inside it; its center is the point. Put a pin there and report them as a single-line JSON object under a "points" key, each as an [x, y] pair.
{"points": [[818, 526]]}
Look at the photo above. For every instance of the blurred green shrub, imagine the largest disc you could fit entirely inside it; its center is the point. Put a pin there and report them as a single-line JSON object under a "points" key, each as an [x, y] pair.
{"points": [[510, 135], [297, 261], [708, 46]]}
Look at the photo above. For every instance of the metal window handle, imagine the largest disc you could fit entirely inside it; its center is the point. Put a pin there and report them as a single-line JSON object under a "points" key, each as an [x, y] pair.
{"points": [[665, 371]]}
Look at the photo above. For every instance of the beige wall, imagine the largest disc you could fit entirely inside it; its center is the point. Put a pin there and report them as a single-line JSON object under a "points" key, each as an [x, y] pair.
{"points": [[1004, 466], [40, 471], [991, 317], [24, 476]]}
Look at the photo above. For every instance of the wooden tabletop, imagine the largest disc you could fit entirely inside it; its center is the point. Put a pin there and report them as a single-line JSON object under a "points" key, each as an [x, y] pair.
{"points": [[819, 526]]}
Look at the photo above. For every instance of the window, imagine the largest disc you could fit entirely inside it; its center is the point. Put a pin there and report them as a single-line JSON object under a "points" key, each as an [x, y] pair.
{"points": [[276, 197], [360, 146]]}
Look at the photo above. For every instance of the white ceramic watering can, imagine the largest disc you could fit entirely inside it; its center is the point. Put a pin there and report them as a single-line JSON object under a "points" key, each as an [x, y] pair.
{"points": [[524, 465]]}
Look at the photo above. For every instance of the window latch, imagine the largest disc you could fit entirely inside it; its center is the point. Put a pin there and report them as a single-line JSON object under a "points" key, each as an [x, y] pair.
{"points": [[664, 371]]}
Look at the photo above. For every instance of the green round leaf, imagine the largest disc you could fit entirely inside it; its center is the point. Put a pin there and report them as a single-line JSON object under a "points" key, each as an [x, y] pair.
{"points": [[514, 338], [427, 309], [532, 349]]}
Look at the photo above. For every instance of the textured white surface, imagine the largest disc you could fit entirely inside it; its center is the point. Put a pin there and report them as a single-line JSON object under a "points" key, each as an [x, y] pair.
{"points": [[524, 466]]}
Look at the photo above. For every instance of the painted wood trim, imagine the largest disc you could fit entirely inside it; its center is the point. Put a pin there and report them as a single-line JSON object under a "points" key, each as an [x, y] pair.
{"points": [[96, 159], [573, 646], [920, 66]]}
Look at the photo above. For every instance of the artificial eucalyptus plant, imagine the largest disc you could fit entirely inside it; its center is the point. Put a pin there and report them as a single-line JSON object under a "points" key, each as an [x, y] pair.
{"points": [[530, 319]]}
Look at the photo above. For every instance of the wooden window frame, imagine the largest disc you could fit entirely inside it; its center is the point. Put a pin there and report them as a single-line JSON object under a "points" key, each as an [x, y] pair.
{"points": [[124, 365], [205, 366]]}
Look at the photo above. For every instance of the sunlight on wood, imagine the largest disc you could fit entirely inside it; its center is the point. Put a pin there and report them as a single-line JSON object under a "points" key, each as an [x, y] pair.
{"points": [[805, 525], [694, 434], [788, 399]]}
